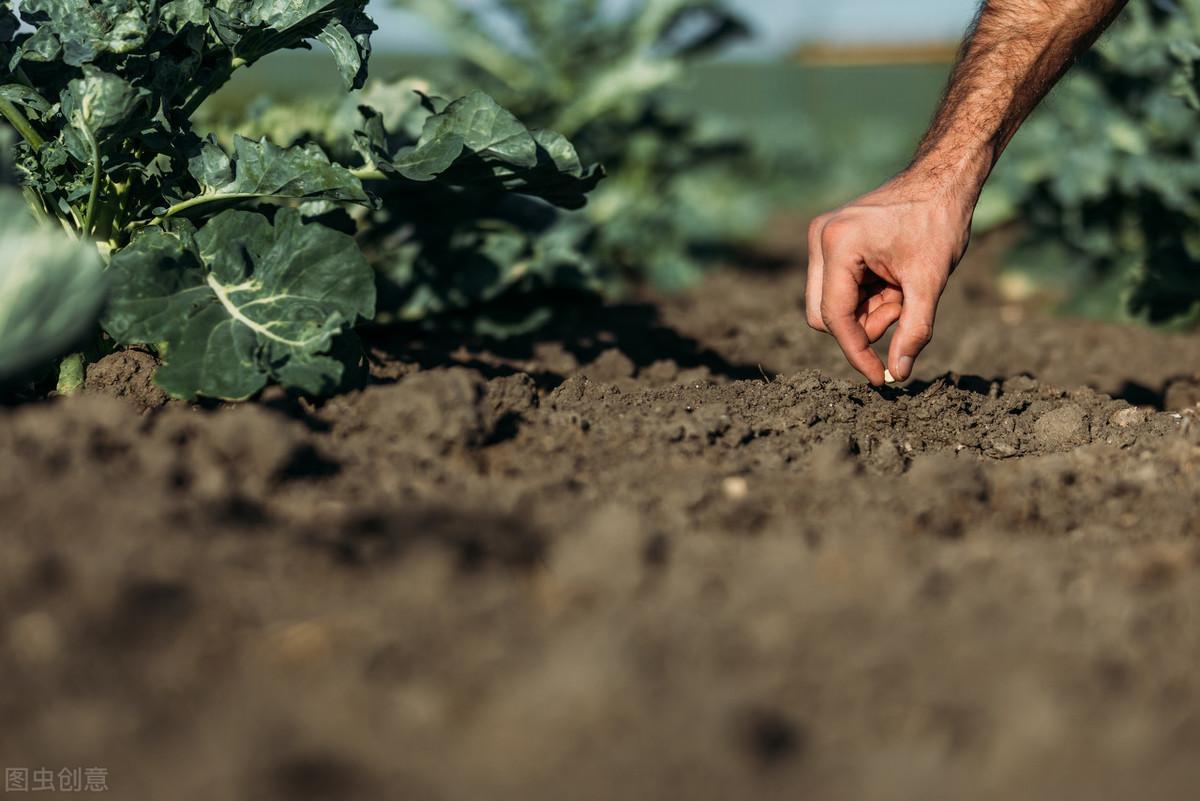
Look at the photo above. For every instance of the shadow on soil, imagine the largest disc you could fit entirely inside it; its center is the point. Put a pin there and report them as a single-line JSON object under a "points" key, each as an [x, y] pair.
{"points": [[583, 328]]}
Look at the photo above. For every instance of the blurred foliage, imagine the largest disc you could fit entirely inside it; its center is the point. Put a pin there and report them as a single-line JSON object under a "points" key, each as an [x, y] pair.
{"points": [[682, 188], [51, 285], [1106, 178]]}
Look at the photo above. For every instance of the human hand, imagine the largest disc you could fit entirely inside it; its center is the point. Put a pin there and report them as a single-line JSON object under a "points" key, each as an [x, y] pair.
{"points": [[883, 258]]}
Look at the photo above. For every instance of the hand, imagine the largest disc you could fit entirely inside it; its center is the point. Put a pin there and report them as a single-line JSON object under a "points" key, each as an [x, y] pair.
{"points": [[883, 258]]}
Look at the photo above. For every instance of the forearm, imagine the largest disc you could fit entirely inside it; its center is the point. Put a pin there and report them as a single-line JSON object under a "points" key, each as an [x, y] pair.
{"points": [[1017, 52]]}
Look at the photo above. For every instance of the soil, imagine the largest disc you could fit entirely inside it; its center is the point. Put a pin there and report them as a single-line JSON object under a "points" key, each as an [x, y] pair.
{"points": [[668, 548]]}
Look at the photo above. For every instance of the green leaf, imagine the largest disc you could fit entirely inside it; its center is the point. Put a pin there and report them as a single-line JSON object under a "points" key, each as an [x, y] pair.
{"points": [[23, 96], [51, 289], [521, 247], [349, 39], [98, 106], [259, 170], [487, 129], [255, 28], [241, 302], [86, 30], [475, 142]]}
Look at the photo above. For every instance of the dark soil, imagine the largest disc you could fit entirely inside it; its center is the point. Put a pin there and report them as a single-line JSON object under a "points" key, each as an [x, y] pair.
{"points": [[664, 550]]}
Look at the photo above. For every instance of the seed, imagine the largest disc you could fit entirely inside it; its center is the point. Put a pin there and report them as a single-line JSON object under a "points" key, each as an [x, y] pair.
{"points": [[888, 377]]}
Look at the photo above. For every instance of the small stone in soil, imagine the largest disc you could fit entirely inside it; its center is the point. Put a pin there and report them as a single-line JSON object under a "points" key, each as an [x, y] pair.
{"points": [[736, 488]]}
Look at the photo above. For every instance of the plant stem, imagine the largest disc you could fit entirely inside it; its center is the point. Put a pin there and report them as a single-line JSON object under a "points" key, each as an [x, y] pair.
{"points": [[108, 220], [200, 200], [369, 174], [180, 208], [71, 375], [23, 126], [34, 200], [90, 219]]}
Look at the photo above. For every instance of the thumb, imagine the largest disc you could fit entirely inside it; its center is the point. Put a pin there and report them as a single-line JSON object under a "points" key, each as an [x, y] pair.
{"points": [[914, 331]]}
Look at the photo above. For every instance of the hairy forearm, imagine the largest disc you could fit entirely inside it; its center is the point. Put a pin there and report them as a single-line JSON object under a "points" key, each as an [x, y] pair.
{"points": [[1017, 52]]}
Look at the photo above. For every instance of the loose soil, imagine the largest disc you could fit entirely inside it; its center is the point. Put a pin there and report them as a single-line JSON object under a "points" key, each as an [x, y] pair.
{"points": [[665, 549]]}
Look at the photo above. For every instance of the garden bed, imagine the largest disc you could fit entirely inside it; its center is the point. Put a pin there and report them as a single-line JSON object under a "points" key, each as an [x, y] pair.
{"points": [[668, 548]]}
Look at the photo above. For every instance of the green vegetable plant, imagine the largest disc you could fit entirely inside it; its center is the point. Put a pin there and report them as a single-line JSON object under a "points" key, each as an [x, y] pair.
{"points": [[680, 187], [239, 263], [1105, 181], [488, 230]]}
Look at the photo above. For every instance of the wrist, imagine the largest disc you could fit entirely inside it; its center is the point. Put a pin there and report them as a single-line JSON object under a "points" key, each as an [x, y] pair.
{"points": [[956, 176]]}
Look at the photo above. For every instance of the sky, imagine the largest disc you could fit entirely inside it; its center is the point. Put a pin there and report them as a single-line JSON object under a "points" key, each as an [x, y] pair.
{"points": [[779, 23]]}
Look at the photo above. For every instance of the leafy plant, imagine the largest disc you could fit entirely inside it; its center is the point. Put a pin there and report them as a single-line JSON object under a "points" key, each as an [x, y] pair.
{"points": [[234, 261], [679, 187], [487, 228], [1106, 180]]}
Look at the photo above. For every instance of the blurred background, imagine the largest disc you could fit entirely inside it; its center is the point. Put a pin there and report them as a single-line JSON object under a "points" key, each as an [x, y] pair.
{"points": [[848, 86], [780, 24], [736, 112]]}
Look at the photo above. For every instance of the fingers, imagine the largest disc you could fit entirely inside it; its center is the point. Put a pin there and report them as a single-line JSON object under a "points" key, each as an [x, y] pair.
{"points": [[880, 320], [842, 276], [880, 310], [915, 329], [816, 268]]}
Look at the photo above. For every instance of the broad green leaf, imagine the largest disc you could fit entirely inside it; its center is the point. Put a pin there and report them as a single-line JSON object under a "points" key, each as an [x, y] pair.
{"points": [[255, 28], [241, 302], [97, 107], [41, 46], [476, 142], [486, 129], [259, 170], [51, 289], [349, 40]]}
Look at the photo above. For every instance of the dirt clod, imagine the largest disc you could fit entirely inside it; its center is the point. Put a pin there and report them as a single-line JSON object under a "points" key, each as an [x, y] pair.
{"points": [[1062, 427], [127, 375]]}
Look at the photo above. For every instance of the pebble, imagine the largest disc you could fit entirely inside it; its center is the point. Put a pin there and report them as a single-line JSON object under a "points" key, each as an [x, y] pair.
{"points": [[736, 488], [1129, 417]]}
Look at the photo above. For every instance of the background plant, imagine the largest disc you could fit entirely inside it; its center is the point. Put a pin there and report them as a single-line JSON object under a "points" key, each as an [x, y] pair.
{"points": [[681, 188], [1106, 179]]}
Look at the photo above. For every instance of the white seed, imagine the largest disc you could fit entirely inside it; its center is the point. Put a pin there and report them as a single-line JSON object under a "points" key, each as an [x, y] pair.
{"points": [[888, 377]]}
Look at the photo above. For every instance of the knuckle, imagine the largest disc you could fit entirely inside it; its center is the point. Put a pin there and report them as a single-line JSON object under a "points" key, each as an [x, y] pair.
{"points": [[922, 332], [816, 226], [836, 232]]}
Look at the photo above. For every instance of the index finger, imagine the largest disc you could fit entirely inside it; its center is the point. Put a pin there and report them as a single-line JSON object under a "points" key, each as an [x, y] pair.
{"points": [[839, 304]]}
